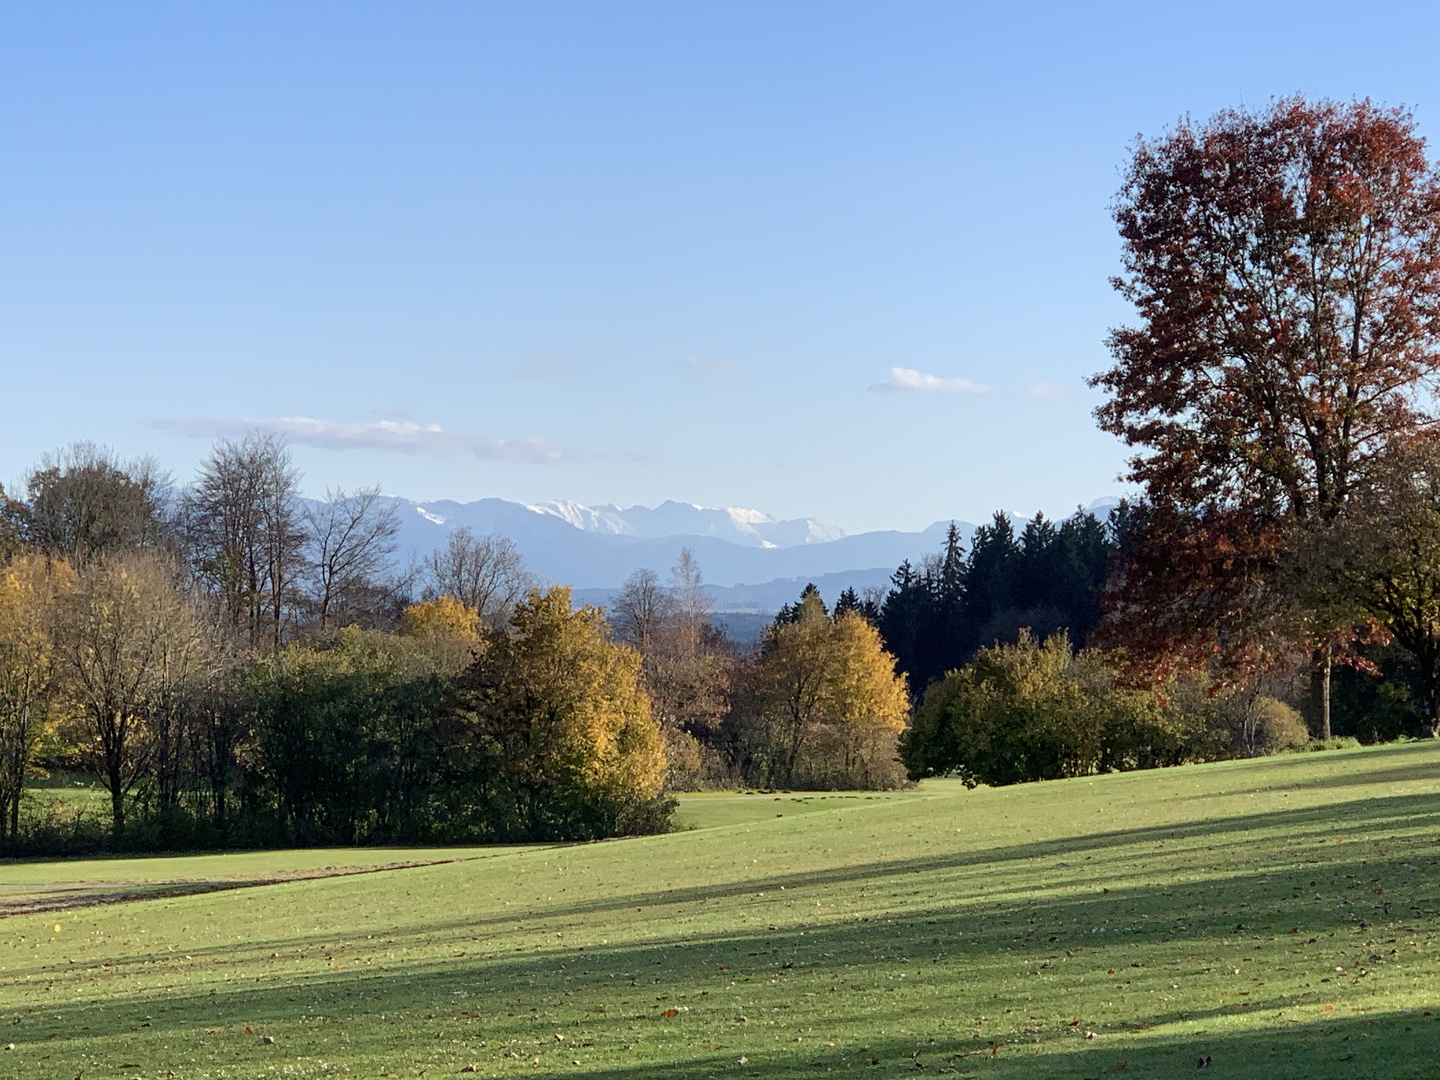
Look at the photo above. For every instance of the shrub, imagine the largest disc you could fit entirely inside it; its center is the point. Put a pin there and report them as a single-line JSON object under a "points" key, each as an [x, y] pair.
{"points": [[1014, 713], [1278, 727], [1335, 742], [1033, 711]]}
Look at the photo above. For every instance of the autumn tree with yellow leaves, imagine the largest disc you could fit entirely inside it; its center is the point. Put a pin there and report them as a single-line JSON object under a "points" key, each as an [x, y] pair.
{"points": [[556, 739], [446, 627], [29, 589], [822, 706], [127, 642]]}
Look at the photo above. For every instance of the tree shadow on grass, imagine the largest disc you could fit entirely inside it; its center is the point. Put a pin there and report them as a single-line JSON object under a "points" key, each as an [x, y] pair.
{"points": [[1396, 1045], [962, 947], [1383, 814], [1079, 904], [1393, 774], [1393, 1046], [986, 941]]}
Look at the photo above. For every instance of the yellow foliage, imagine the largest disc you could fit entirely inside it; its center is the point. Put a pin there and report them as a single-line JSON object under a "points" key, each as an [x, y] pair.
{"points": [[448, 630], [444, 618], [830, 702], [556, 706], [566, 658], [864, 693]]}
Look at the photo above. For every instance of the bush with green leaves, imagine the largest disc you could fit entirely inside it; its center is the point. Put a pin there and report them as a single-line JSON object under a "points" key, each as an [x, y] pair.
{"points": [[1040, 711]]}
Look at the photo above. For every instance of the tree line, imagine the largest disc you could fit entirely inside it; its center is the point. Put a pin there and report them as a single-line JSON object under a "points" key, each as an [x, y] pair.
{"points": [[237, 666]]}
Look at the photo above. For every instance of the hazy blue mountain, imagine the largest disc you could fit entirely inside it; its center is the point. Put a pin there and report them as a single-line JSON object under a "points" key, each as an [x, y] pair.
{"points": [[598, 547], [752, 561]]}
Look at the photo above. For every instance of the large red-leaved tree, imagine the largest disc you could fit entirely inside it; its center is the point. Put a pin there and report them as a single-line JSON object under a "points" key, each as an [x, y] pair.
{"points": [[1285, 266]]}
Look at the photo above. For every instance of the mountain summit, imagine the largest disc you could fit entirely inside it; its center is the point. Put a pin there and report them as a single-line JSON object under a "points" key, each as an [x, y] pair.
{"points": [[752, 528], [597, 547]]}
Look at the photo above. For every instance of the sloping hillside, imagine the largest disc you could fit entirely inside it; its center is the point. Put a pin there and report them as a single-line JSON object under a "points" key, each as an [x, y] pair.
{"points": [[1277, 918]]}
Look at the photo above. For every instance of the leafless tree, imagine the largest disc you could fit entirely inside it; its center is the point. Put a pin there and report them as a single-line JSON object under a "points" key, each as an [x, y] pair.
{"points": [[246, 535], [640, 610], [688, 597], [485, 573], [350, 540], [686, 663]]}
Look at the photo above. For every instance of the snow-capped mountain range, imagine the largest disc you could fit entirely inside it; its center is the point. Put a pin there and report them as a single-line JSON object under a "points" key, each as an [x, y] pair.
{"points": [[752, 528], [752, 561]]}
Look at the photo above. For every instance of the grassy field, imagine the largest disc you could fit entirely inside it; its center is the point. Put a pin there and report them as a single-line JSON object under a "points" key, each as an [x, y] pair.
{"points": [[1276, 918], [66, 796]]}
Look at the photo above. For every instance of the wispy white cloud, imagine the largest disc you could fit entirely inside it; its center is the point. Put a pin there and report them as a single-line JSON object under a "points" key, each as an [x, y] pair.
{"points": [[399, 436], [547, 367], [920, 382], [711, 369], [1047, 389]]}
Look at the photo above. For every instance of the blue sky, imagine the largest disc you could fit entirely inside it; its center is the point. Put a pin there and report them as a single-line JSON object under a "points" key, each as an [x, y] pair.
{"points": [[837, 260]]}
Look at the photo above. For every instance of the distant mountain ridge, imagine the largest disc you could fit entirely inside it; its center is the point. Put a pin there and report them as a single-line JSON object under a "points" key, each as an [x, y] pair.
{"points": [[752, 560], [752, 528]]}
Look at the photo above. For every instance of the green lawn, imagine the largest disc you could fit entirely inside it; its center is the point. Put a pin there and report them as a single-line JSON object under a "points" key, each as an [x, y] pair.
{"points": [[705, 810], [1280, 917], [55, 885], [67, 795]]}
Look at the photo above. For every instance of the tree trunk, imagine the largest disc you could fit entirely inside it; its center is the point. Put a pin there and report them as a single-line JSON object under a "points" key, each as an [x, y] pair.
{"points": [[117, 806], [114, 745], [1325, 697]]}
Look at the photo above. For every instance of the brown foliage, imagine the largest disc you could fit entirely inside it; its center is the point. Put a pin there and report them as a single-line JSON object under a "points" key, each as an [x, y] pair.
{"points": [[1199, 591], [1286, 269], [1285, 265]]}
